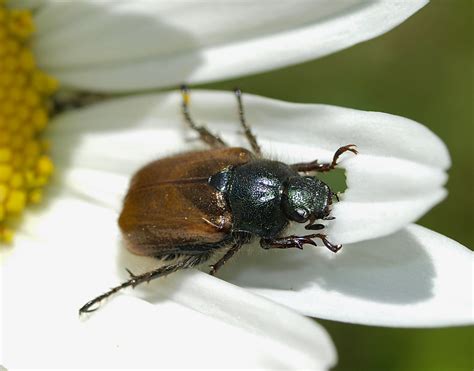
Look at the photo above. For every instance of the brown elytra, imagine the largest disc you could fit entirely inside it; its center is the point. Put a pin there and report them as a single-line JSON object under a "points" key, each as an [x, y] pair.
{"points": [[170, 206]]}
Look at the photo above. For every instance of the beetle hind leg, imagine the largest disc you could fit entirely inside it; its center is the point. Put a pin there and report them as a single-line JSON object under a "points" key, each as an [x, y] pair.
{"points": [[206, 136], [188, 261]]}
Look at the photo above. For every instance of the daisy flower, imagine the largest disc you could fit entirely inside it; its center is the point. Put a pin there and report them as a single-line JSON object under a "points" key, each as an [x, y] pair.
{"points": [[390, 272]]}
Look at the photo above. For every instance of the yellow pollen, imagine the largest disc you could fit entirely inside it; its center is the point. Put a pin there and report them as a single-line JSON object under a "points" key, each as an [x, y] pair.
{"points": [[25, 91]]}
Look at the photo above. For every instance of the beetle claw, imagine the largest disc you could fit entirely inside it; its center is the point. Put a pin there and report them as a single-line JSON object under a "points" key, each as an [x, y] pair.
{"points": [[86, 308], [329, 245], [340, 151], [212, 272], [350, 148]]}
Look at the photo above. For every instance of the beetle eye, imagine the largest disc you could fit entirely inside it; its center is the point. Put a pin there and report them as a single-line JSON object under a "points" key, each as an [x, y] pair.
{"points": [[302, 213]]}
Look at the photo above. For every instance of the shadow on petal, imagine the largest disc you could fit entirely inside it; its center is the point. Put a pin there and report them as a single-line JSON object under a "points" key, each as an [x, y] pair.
{"points": [[232, 38], [393, 269], [114, 46]]}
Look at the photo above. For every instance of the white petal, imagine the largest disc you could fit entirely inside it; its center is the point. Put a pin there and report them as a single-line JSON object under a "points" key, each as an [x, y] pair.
{"points": [[395, 179], [197, 321], [413, 278], [123, 45], [25, 4]]}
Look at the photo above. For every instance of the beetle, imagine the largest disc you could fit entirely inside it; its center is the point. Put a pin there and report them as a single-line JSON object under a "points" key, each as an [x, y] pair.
{"points": [[184, 208]]}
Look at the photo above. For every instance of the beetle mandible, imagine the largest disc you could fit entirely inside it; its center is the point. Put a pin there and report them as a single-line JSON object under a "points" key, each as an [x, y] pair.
{"points": [[184, 208]]}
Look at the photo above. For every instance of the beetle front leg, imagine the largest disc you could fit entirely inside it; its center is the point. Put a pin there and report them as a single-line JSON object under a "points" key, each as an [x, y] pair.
{"points": [[287, 242], [298, 242], [322, 167]]}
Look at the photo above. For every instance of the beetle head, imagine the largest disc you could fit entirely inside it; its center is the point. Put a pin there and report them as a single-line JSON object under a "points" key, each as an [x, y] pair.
{"points": [[306, 198]]}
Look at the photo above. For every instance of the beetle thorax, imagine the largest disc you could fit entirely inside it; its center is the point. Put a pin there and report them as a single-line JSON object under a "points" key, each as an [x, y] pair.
{"points": [[254, 193]]}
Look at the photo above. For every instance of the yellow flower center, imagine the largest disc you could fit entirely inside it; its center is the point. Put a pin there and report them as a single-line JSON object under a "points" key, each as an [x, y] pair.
{"points": [[25, 166]]}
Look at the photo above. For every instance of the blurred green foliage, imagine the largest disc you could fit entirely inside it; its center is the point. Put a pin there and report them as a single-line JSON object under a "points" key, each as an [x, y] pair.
{"points": [[422, 70]]}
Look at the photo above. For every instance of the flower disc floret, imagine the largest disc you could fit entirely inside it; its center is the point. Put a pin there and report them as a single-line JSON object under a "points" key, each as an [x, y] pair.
{"points": [[25, 92]]}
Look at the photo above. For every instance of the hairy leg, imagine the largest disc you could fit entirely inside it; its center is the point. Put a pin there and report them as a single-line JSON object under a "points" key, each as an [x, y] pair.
{"points": [[243, 122], [206, 136], [187, 261]]}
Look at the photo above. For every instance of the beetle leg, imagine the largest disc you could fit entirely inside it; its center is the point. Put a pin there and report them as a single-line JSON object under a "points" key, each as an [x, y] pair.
{"points": [[298, 242], [322, 167], [215, 267], [247, 131], [206, 136], [329, 245], [135, 280], [287, 242]]}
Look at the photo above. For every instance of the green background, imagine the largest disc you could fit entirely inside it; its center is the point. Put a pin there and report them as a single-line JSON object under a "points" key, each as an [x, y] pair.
{"points": [[422, 70]]}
